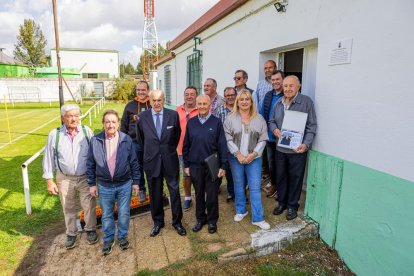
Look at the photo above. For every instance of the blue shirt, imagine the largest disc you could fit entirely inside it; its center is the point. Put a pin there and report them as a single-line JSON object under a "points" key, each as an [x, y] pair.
{"points": [[154, 116], [203, 120]]}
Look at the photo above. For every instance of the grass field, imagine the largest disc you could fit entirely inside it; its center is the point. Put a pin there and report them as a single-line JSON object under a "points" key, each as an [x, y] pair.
{"points": [[17, 230]]}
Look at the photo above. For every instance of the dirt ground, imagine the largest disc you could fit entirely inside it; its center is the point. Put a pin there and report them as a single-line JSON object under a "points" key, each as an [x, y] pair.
{"points": [[169, 253]]}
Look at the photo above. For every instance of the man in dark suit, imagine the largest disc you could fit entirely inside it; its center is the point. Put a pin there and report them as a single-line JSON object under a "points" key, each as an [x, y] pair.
{"points": [[158, 133]]}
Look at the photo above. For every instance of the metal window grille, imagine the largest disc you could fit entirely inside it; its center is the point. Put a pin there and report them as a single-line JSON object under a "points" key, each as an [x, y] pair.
{"points": [[194, 70], [167, 83]]}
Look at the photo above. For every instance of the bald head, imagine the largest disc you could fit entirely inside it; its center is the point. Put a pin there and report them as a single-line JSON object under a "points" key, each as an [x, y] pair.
{"points": [[203, 104], [293, 78], [291, 86]]}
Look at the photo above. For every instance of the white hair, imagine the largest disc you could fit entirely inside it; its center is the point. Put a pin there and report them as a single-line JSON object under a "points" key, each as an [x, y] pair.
{"points": [[68, 107], [156, 92]]}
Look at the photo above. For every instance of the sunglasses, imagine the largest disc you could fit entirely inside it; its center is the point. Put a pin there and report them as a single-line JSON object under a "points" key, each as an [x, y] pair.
{"points": [[237, 78]]}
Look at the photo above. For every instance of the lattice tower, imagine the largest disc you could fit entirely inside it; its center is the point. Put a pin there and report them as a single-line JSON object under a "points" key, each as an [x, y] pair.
{"points": [[149, 39]]}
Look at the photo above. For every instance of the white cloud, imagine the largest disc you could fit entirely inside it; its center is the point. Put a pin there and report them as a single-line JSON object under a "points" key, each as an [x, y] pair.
{"points": [[102, 24]]}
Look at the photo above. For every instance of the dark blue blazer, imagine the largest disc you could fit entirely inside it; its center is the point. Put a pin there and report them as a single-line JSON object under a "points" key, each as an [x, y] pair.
{"points": [[162, 151]]}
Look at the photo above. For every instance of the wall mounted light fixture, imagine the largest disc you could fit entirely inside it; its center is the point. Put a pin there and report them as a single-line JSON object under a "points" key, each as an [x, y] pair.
{"points": [[280, 6]]}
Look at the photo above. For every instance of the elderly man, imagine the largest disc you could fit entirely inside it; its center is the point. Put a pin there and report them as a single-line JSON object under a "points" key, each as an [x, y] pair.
{"points": [[210, 89], [158, 133], [240, 80], [205, 136], [269, 103], [129, 124], [222, 113], [66, 153], [186, 111], [290, 163]]}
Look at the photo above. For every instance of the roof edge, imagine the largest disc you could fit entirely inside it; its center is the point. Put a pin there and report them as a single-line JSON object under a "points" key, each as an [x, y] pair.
{"points": [[213, 15], [166, 58]]}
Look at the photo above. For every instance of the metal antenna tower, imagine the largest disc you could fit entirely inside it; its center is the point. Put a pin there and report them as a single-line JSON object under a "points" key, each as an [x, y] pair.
{"points": [[149, 39]]}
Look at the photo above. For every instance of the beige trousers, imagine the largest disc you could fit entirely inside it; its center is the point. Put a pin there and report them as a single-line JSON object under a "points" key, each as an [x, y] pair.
{"points": [[68, 187]]}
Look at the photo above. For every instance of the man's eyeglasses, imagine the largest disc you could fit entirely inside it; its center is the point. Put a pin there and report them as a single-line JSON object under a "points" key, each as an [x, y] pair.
{"points": [[230, 95], [237, 78]]}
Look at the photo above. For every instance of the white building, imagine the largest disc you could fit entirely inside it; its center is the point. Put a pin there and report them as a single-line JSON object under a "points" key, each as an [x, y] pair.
{"points": [[356, 64], [92, 63]]}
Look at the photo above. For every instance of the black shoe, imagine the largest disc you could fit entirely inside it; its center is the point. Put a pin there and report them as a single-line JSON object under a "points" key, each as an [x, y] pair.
{"points": [[70, 242], [91, 237], [212, 228], [124, 244], [199, 225], [180, 230], [156, 230], [279, 210], [107, 248], [291, 214]]}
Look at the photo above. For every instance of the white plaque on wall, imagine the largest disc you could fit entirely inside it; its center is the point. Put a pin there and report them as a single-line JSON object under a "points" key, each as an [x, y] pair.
{"points": [[340, 52]]}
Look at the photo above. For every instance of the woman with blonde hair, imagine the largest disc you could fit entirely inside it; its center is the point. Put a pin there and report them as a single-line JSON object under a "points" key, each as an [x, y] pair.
{"points": [[246, 134]]}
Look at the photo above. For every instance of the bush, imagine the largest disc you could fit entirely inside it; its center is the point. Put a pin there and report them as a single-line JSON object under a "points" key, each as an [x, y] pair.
{"points": [[124, 90]]}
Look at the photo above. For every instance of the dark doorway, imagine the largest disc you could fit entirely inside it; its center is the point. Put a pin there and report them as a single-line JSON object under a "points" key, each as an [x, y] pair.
{"points": [[293, 63]]}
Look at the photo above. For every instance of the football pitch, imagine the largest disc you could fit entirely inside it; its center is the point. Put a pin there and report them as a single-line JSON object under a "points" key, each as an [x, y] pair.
{"points": [[29, 126]]}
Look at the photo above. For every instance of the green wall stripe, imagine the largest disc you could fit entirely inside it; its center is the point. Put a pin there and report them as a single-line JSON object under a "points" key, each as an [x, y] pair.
{"points": [[373, 229]]}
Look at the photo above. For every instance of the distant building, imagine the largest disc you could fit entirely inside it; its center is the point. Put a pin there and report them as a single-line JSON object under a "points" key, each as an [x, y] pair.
{"points": [[355, 62], [92, 63], [11, 68]]}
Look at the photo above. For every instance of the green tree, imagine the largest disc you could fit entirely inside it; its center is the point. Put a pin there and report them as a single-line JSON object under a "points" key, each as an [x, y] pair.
{"points": [[122, 70], [31, 43], [129, 69], [163, 51], [139, 66], [124, 90]]}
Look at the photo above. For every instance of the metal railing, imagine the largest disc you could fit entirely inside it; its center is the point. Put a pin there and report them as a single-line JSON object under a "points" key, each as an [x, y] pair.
{"points": [[96, 108]]}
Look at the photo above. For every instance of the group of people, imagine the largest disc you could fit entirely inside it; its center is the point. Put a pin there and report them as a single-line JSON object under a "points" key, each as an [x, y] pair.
{"points": [[241, 129]]}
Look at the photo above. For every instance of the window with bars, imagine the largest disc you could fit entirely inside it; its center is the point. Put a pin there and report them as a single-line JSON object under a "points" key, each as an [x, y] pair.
{"points": [[194, 70], [167, 83]]}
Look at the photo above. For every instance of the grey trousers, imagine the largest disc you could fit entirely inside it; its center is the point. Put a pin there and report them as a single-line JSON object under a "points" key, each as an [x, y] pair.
{"points": [[68, 187]]}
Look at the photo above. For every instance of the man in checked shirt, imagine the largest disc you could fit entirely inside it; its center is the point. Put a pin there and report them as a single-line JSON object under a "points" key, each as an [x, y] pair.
{"points": [[66, 153]]}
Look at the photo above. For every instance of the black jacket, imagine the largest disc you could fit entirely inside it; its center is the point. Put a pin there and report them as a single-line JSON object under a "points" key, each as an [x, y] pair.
{"points": [[129, 117]]}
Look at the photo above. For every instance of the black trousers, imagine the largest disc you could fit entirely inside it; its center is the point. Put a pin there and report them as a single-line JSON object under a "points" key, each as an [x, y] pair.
{"points": [[206, 194], [271, 151], [156, 190], [290, 169], [265, 163]]}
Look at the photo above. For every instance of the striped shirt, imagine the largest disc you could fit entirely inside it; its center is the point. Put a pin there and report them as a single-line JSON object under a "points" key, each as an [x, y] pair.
{"points": [[263, 87], [72, 154]]}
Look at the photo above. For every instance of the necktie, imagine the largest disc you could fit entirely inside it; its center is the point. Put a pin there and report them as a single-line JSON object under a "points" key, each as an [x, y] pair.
{"points": [[158, 125]]}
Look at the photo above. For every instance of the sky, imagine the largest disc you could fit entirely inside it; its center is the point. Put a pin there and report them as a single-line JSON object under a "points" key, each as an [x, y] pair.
{"points": [[99, 24]]}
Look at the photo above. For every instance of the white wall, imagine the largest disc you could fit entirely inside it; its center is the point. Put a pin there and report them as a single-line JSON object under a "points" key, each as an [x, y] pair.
{"points": [[48, 89], [364, 108], [89, 61]]}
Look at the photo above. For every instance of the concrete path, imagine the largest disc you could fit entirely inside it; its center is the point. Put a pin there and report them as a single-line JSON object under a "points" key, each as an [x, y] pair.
{"points": [[233, 239]]}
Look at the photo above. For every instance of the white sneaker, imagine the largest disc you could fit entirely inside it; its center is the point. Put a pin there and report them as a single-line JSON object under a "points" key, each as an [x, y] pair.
{"points": [[240, 217], [262, 224]]}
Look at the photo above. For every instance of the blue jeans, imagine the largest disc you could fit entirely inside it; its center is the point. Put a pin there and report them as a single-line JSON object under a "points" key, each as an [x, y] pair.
{"points": [[253, 172], [140, 157], [107, 197]]}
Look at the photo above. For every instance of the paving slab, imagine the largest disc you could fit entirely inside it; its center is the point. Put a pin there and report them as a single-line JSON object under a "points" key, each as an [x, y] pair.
{"points": [[238, 239]]}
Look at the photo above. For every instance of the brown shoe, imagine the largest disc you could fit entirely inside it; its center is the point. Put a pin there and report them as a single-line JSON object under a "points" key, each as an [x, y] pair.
{"points": [[271, 191]]}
